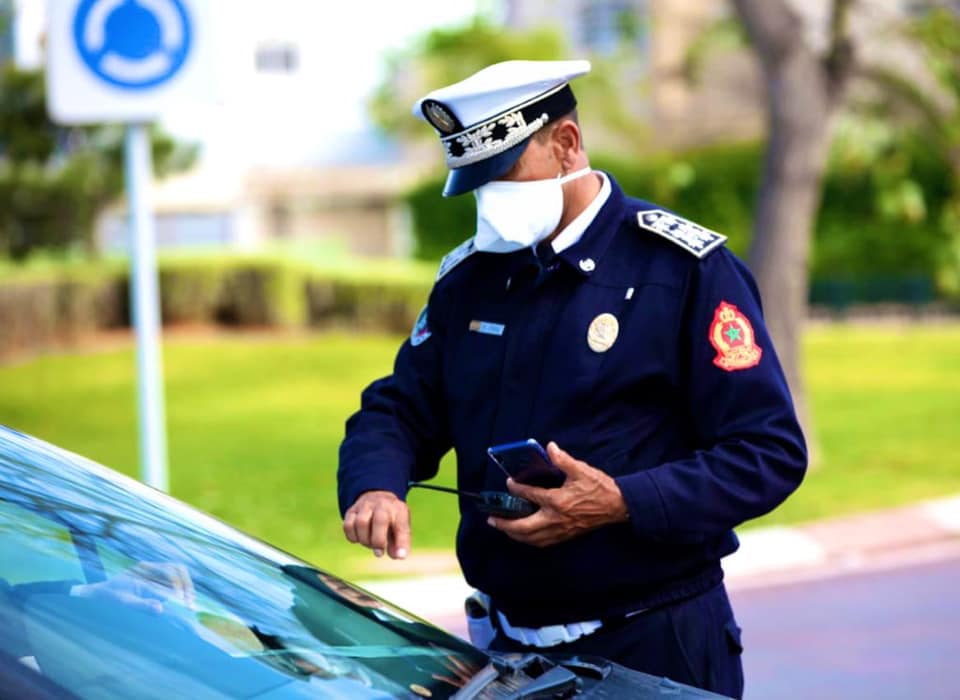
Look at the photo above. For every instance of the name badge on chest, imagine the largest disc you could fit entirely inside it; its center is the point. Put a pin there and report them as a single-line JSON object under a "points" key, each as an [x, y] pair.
{"points": [[487, 328]]}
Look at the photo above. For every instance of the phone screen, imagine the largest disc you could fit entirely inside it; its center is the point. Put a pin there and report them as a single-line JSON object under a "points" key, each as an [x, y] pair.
{"points": [[527, 462]]}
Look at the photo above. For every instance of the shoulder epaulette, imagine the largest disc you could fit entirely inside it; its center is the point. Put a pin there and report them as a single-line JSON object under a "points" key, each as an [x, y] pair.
{"points": [[692, 237], [455, 257]]}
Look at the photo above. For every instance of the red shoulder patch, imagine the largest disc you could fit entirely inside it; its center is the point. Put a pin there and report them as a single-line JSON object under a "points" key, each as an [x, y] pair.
{"points": [[732, 337]]}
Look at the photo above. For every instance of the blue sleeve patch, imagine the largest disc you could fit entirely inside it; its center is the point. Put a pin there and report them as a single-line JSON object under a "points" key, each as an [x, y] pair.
{"points": [[421, 330], [686, 234]]}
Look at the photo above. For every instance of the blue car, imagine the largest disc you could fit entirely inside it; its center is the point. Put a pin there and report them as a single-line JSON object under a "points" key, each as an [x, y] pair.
{"points": [[109, 589]]}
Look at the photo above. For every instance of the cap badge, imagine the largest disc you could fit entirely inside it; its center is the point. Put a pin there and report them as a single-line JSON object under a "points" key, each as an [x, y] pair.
{"points": [[440, 117], [732, 337], [603, 332]]}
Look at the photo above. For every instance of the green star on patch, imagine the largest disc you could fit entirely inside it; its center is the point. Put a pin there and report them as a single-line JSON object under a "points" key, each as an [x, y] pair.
{"points": [[733, 334]]}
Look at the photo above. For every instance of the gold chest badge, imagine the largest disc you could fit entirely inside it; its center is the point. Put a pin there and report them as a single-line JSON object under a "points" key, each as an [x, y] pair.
{"points": [[603, 332]]}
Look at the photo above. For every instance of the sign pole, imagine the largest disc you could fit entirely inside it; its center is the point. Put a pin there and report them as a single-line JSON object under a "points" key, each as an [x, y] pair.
{"points": [[129, 62], [145, 308]]}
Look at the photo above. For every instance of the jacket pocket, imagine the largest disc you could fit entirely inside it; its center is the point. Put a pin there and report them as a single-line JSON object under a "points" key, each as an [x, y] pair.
{"points": [[732, 633]]}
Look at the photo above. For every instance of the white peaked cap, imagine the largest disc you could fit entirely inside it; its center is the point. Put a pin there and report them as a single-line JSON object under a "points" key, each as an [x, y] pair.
{"points": [[483, 120], [502, 87]]}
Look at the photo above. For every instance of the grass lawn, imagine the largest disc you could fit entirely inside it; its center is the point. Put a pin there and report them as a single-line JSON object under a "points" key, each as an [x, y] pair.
{"points": [[255, 421]]}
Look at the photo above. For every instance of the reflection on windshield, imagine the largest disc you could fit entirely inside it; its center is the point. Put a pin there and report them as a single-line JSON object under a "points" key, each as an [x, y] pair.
{"points": [[114, 590]]}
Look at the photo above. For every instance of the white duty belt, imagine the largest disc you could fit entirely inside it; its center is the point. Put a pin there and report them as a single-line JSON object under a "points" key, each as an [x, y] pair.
{"points": [[478, 609], [548, 636]]}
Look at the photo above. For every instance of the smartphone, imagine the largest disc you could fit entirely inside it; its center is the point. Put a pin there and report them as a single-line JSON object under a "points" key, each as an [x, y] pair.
{"points": [[527, 462]]}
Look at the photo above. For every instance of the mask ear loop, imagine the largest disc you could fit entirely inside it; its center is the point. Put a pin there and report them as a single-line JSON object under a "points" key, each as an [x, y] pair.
{"points": [[574, 175]]}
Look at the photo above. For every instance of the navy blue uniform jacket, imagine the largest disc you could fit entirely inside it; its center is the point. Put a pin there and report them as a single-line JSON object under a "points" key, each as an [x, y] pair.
{"points": [[688, 410]]}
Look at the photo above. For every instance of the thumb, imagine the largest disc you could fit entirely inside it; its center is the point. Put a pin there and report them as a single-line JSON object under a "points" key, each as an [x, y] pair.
{"points": [[563, 461], [531, 493]]}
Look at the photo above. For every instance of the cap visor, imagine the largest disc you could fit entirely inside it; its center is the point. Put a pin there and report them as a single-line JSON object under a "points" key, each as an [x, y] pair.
{"points": [[470, 177]]}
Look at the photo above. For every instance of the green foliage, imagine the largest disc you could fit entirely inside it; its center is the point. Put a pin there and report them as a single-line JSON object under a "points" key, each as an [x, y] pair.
{"points": [[190, 290], [439, 223], [445, 56], [255, 424], [714, 186], [938, 33], [40, 307], [907, 143], [55, 180], [881, 211], [877, 237], [370, 305], [27, 132], [263, 293]]}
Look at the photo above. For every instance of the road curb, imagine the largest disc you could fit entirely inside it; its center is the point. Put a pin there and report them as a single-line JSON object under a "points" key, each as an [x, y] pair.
{"points": [[767, 556]]}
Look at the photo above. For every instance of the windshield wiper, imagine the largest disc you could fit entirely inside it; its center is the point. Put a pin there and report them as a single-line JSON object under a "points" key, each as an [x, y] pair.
{"points": [[525, 678]]}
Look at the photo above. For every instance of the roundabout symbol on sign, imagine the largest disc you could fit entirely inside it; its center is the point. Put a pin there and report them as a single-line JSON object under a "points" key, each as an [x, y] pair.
{"points": [[133, 44]]}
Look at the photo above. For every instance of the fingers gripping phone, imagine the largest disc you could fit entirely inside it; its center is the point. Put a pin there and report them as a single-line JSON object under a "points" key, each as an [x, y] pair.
{"points": [[527, 463]]}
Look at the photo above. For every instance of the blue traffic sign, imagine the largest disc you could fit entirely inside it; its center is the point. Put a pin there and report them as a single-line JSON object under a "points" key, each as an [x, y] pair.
{"points": [[133, 44]]}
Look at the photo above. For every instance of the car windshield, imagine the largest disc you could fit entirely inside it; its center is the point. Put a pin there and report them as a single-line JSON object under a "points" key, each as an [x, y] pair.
{"points": [[112, 590]]}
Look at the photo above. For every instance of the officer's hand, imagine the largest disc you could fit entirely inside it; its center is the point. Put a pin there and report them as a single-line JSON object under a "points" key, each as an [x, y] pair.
{"points": [[588, 499], [381, 521]]}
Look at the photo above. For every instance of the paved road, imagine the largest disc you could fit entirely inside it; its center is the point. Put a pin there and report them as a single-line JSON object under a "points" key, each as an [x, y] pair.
{"points": [[886, 634], [891, 633]]}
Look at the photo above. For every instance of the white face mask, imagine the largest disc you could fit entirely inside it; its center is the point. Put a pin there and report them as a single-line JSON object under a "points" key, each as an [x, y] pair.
{"points": [[515, 215]]}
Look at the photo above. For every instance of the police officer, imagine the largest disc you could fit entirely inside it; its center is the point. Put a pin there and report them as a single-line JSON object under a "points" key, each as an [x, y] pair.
{"points": [[629, 341]]}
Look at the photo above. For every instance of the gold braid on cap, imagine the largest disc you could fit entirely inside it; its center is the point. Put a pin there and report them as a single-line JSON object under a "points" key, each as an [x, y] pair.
{"points": [[505, 130]]}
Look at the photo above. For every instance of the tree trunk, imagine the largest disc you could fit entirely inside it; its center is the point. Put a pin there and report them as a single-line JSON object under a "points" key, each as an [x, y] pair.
{"points": [[789, 197], [803, 91]]}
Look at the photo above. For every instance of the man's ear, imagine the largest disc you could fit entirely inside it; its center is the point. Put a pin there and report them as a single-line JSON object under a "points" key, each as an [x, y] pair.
{"points": [[566, 143]]}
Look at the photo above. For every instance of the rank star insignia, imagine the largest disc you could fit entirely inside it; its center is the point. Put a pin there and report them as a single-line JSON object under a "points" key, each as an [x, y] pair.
{"points": [[732, 337], [690, 236]]}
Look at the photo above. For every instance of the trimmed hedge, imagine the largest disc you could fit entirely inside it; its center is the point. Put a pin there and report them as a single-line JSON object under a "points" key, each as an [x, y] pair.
{"points": [[39, 308], [38, 311]]}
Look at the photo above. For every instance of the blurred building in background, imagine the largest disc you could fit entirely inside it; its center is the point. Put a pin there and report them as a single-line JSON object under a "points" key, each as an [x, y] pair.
{"points": [[287, 155], [274, 169]]}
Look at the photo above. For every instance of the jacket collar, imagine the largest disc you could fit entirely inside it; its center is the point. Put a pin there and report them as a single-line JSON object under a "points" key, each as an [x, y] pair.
{"points": [[586, 255]]}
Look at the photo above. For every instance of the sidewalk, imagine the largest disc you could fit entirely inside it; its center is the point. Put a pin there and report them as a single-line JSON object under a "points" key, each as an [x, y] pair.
{"points": [[767, 556]]}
